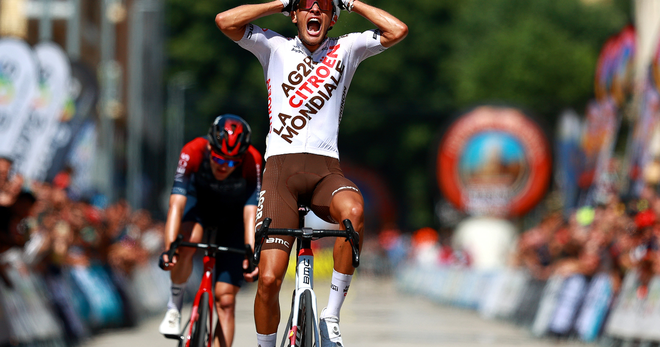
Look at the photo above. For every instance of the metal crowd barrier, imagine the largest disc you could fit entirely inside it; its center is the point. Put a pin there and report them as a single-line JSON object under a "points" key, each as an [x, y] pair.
{"points": [[572, 307], [65, 306]]}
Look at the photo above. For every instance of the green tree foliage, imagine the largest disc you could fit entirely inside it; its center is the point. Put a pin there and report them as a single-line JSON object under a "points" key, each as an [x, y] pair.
{"points": [[537, 54], [540, 54]]}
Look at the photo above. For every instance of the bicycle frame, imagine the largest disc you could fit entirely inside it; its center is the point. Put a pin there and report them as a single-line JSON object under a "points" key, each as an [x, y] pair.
{"points": [[205, 286], [304, 282]]}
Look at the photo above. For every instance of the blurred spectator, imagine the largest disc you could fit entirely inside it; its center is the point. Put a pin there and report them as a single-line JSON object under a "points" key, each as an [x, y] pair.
{"points": [[13, 231], [424, 246], [63, 178], [394, 244], [10, 187]]}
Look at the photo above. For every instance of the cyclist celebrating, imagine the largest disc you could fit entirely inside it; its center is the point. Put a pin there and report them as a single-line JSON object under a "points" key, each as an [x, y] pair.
{"points": [[307, 78], [216, 185]]}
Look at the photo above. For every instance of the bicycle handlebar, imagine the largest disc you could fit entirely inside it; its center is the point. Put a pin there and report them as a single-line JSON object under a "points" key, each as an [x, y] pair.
{"points": [[178, 242], [350, 234]]}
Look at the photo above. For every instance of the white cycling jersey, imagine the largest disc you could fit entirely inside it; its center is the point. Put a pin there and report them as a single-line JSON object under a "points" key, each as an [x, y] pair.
{"points": [[307, 91]]}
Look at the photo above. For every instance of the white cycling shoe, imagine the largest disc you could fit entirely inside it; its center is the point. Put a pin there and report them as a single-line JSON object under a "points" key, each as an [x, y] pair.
{"points": [[330, 334], [171, 324]]}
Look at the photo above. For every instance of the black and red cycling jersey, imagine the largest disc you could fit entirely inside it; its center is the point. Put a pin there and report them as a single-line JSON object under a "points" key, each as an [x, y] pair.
{"points": [[217, 201]]}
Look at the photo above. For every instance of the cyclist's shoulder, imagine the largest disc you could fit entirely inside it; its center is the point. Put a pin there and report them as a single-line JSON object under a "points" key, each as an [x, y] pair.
{"points": [[253, 29], [194, 151], [253, 153], [362, 36], [350, 36], [253, 158], [199, 144]]}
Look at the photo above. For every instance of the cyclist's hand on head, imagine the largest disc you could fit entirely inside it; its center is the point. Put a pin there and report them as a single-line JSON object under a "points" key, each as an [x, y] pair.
{"points": [[346, 5], [288, 7], [249, 276]]}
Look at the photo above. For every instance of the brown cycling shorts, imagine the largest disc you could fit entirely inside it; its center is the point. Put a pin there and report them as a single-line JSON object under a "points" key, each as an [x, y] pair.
{"points": [[293, 179]]}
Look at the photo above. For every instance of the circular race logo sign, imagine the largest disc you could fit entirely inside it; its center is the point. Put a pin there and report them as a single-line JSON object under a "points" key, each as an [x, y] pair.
{"points": [[494, 161]]}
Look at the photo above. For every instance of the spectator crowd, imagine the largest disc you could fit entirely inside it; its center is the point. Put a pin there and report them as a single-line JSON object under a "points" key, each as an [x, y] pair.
{"points": [[588, 273], [72, 244], [613, 238]]}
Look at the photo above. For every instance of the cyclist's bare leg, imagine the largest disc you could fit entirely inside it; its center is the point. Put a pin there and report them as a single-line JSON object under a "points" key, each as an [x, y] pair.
{"points": [[183, 268], [179, 275], [346, 204], [225, 304], [272, 268]]}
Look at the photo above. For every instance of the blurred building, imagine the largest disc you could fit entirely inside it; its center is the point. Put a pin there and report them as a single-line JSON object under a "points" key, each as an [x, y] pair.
{"points": [[121, 41]]}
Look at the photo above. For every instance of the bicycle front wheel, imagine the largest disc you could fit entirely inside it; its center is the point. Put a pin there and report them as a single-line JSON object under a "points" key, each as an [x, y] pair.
{"points": [[285, 338], [304, 327], [306, 318], [200, 329]]}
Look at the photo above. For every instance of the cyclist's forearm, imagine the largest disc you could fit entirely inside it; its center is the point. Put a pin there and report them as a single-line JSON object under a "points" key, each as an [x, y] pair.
{"points": [[234, 21], [174, 215], [392, 29], [249, 217]]}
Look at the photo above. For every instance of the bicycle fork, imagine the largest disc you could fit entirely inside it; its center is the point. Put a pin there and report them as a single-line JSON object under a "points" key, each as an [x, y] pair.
{"points": [[304, 283], [205, 286]]}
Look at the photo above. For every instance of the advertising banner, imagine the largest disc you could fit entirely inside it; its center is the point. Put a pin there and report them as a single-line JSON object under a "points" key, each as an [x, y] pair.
{"points": [[18, 87], [614, 70], [81, 159], [598, 140], [638, 151], [33, 151], [569, 159], [79, 107]]}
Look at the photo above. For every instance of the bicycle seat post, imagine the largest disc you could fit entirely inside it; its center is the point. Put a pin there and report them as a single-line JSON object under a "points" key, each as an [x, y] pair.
{"points": [[303, 242], [209, 237]]}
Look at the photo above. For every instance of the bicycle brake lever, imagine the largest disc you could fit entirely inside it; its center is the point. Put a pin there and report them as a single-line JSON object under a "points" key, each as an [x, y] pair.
{"points": [[259, 238], [248, 255], [353, 239], [170, 253]]}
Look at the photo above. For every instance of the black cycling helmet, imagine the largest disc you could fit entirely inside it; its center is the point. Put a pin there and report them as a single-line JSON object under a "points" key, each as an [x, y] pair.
{"points": [[229, 136]]}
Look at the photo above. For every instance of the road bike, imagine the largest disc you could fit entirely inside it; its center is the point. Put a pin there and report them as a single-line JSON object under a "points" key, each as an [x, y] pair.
{"points": [[200, 333], [302, 329]]}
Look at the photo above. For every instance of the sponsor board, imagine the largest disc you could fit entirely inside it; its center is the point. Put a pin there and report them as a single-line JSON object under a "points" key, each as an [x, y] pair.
{"points": [[494, 161]]}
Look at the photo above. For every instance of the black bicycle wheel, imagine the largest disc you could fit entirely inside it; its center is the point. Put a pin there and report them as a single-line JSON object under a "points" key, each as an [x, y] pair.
{"points": [[285, 338], [305, 336], [305, 324], [200, 330]]}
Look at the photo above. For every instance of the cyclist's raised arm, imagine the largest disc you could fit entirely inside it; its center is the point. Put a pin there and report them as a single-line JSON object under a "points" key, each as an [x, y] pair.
{"points": [[392, 29], [174, 216], [234, 21]]}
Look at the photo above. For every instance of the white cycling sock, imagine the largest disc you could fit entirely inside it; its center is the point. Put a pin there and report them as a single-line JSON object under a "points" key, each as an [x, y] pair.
{"points": [[266, 340], [176, 296], [338, 290]]}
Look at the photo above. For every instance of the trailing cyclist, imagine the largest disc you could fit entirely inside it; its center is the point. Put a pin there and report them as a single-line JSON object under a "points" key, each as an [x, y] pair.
{"points": [[216, 185], [307, 78]]}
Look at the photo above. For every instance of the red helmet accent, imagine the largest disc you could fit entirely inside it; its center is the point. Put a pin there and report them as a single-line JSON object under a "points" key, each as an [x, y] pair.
{"points": [[229, 136]]}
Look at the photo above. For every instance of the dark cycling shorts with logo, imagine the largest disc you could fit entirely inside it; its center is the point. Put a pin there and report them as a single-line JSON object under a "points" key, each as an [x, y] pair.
{"points": [[228, 266], [293, 179]]}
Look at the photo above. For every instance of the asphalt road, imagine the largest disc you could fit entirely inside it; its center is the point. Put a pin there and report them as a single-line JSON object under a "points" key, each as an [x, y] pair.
{"points": [[374, 314]]}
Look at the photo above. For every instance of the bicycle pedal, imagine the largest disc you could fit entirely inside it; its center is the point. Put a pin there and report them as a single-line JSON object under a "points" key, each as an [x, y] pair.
{"points": [[173, 336]]}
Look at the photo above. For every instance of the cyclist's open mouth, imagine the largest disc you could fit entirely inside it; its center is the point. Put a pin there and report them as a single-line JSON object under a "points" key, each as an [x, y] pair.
{"points": [[314, 26]]}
